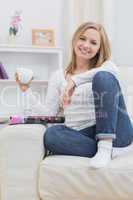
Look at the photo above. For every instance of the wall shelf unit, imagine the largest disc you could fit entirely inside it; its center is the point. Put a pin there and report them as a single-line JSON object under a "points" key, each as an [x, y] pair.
{"points": [[43, 62]]}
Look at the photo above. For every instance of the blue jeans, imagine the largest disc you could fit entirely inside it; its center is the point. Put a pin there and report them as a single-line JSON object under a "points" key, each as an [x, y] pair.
{"points": [[112, 121]]}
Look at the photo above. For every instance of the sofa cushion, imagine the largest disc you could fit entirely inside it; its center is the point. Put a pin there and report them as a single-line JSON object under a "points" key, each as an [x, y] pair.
{"points": [[69, 177]]}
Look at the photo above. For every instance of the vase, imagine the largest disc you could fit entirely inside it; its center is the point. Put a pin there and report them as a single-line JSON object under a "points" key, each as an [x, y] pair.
{"points": [[12, 39]]}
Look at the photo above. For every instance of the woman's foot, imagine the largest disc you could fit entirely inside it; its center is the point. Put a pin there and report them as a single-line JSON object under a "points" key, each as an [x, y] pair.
{"points": [[103, 155]]}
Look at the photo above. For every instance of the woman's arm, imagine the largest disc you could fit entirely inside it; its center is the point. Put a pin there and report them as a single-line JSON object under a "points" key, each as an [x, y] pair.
{"points": [[88, 76], [52, 101], [82, 78]]}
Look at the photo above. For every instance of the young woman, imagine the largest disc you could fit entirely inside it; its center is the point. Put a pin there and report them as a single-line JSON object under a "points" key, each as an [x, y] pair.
{"points": [[97, 124]]}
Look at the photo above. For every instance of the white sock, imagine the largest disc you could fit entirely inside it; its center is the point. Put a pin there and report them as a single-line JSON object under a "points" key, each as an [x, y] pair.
{"points": [[103, 155]]}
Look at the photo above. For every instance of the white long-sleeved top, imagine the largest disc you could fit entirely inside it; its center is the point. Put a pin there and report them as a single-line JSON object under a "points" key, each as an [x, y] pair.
{"points": [[81, 112], [108, 66]]}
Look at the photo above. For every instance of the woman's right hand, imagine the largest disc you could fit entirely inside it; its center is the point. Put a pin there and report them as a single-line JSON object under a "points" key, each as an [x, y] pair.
{"points": [[22, 86]]}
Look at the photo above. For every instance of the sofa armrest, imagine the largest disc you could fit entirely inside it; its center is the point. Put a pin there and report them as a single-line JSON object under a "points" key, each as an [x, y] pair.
{"points": [[21, 150]]}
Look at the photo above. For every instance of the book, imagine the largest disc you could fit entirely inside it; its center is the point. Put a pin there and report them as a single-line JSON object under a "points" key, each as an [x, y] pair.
{"points": [[16, 119], [3, 73]]}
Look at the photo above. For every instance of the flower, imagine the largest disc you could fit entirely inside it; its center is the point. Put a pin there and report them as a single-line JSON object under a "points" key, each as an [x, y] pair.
{"points": [[15, 23]]}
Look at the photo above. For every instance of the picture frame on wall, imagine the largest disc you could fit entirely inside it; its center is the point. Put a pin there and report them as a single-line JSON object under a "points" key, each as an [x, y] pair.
{"points": [[43, 37]]}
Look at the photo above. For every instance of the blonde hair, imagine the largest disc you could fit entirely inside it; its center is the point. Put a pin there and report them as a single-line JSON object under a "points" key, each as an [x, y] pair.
{"points": [[103, 54]]}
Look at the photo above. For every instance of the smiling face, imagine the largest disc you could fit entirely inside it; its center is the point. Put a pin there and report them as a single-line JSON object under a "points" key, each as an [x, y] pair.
{"points": [[88, 44], [90, 47]]}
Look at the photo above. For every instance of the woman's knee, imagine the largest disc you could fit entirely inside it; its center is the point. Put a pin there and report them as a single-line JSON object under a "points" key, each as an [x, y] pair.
{"points": [[104, 80]]}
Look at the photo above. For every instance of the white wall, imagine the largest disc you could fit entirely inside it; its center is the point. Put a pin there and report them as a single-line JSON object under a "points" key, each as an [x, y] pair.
{"points": [[118, 21], [35, 14], [123, 32], [56, 14]]}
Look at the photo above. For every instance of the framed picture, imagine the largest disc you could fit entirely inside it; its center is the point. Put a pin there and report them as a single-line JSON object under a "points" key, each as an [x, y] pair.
{"points": [[43, 37]]}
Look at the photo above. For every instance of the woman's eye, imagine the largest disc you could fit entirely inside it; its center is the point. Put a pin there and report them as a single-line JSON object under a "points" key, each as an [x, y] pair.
{"points": [[82, 38], [94, 43]]}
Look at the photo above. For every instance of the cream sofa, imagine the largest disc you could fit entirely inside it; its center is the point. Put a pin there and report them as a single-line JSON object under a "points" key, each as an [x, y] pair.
{"points": [[24, 175]]}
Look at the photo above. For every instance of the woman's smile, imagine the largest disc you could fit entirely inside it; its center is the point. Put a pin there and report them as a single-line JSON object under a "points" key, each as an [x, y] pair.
{"points": [[84, 51]]}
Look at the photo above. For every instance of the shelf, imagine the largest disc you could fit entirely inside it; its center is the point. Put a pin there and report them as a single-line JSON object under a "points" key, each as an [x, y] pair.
{"points": [[10, 81], [28, 49], [42, 61]]}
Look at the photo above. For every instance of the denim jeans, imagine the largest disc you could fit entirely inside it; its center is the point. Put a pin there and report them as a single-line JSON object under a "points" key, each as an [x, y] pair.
{"points": [[112, 121]]}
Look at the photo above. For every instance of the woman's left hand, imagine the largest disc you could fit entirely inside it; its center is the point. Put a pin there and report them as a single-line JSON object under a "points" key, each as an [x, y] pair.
{"points": [[66, 100]]}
